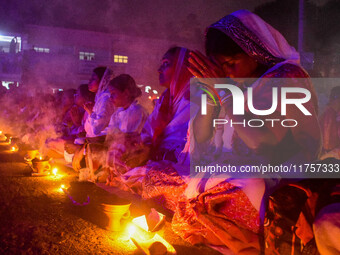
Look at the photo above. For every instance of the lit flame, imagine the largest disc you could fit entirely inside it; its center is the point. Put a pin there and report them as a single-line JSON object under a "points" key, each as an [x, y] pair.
{"points": [[40, 158], [0, 132], [149, 97], [13, 148], [62, 187], [55, 171]]}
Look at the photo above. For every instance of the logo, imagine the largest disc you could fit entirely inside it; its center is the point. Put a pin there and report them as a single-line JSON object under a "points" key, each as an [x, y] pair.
{"points": [[204, 96], [238, 105]]}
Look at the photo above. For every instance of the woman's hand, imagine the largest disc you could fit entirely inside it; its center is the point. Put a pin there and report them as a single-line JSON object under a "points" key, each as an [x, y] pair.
{"points": [[201, 67], [70, 147], [88, 106]]}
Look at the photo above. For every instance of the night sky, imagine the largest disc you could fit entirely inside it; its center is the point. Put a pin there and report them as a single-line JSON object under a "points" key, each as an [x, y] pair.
{"points": [[169, 19]]}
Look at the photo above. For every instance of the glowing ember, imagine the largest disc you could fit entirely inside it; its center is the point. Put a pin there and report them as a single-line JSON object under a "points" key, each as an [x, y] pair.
{"points": [[55, 171]]}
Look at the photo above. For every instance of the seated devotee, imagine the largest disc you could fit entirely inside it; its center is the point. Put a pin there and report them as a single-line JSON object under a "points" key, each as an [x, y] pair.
{"points": [[123, 146], [78, 113], [238, 61], [77, 116], [67, 102], [166, 128], [99, 113], [226, 211], [330, 125], [165, 132]]}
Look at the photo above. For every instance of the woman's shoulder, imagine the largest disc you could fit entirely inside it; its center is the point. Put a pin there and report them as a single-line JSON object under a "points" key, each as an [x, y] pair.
{"points": [[287, 70], [104, 95], [137, 107]]}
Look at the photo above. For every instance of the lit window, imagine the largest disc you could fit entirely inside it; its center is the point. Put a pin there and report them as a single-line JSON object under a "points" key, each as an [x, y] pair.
{"points": [[86, 55], [7, 84], [120, 59], [42, 50], [7, 40]]}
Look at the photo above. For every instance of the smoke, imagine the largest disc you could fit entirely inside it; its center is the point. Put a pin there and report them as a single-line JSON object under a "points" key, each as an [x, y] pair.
{"points": [[32, 117], [27, 113]]}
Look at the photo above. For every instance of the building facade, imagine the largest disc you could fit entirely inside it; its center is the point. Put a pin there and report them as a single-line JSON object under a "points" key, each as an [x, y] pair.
{"points": [[52, 57]]}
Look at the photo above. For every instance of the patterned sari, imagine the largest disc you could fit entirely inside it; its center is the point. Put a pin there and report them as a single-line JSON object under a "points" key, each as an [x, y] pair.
{"points": [[226, 212]]}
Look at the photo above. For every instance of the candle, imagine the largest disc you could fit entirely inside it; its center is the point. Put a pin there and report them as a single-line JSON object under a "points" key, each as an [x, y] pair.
{"points": [[14, 148], [54, 171]]}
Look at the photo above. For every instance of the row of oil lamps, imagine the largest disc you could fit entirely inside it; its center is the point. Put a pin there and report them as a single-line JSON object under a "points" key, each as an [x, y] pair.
{"points": [[140, 230], [5, 140], [39, 164]]}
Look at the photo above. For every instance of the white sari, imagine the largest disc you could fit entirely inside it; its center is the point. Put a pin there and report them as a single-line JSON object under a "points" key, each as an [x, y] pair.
{"points": [[96, 123]]}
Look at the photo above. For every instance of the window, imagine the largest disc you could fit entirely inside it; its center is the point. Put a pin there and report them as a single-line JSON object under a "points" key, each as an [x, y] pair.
{"points": [[7, 84], [86, 55], [56, 90], [120, 59], [5, 42], [43, 50]]}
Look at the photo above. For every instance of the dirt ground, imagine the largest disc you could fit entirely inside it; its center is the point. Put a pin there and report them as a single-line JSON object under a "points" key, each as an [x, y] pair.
{"points": [[36, 217]]}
